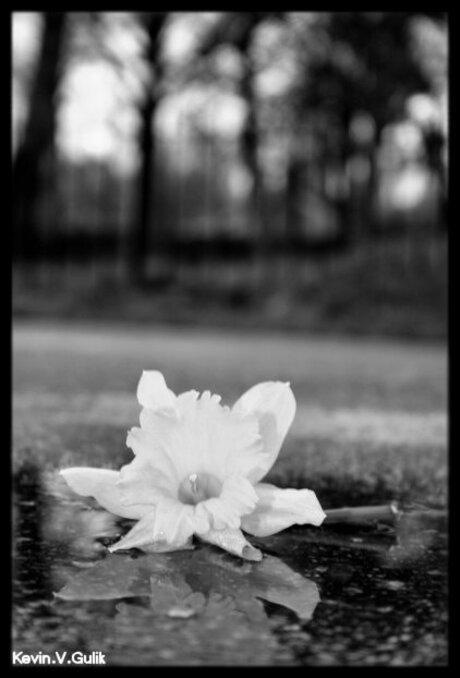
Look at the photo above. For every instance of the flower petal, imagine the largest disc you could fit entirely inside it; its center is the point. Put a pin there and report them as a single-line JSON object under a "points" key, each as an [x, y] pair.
{"points": [[202, 519], [168, 527], [140, 535], [233, 541], [221, 514], [239, 494], [274, 404], [278, 509], [204, 437], [101, 484], [153, 393], [149, 448], [173, 522], [139, 482], [237, 498]]}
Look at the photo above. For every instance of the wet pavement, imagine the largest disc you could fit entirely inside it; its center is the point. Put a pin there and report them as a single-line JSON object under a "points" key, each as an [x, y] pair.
{"points": [[337, 595]]}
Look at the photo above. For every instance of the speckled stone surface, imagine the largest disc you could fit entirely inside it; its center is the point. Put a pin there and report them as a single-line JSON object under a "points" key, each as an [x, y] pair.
{"points": [[371, 427]]}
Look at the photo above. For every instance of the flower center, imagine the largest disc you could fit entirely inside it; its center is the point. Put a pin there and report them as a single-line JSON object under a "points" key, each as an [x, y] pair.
{"points": [[199, 487]]}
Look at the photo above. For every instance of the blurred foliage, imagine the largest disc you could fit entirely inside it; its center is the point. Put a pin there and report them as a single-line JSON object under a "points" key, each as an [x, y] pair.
{"points": [[248, 134]]}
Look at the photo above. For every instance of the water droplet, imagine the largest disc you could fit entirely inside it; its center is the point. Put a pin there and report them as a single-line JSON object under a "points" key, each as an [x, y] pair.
{"points": [[193, 478], [393, 585], [181, 612]]}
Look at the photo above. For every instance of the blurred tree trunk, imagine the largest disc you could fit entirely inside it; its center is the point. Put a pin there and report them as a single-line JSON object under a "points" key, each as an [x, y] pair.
{"points": [[371, 151], [237, 29], [434, 145], [349, 223], [36, 149], [297, 175], [294, 187], [250, 143], [250, 132], [139, 245]]}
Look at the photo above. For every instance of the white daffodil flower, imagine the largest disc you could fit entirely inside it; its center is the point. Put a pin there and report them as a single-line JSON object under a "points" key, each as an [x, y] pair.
{"points": [[197, 470]]}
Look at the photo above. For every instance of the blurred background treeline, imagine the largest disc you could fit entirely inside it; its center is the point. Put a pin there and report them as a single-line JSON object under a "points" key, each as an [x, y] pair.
{"points": [[260, 169]]}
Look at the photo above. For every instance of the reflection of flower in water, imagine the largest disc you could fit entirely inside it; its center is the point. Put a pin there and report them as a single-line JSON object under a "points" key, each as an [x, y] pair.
{"points": [[72, 525], [174, 580], [416, 533], [219, 635], [197, 471], [193, 607]]}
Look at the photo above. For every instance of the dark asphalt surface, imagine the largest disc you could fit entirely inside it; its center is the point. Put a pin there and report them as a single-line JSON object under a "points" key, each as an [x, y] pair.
{"points": [[371, 427]]}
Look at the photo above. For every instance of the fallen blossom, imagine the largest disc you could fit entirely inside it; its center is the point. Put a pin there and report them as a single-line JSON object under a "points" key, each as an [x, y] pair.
{"points": [[197, 469]]}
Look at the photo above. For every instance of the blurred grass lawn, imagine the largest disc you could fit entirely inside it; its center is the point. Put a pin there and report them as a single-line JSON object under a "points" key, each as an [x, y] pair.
{"points": [[371, 422], [394, 289]]}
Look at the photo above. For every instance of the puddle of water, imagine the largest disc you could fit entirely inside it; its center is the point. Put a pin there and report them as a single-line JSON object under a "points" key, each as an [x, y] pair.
{"points": [[338, 595]]}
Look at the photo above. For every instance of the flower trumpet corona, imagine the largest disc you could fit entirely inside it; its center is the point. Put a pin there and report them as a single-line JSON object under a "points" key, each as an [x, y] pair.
{"points": [[197, 469]]}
